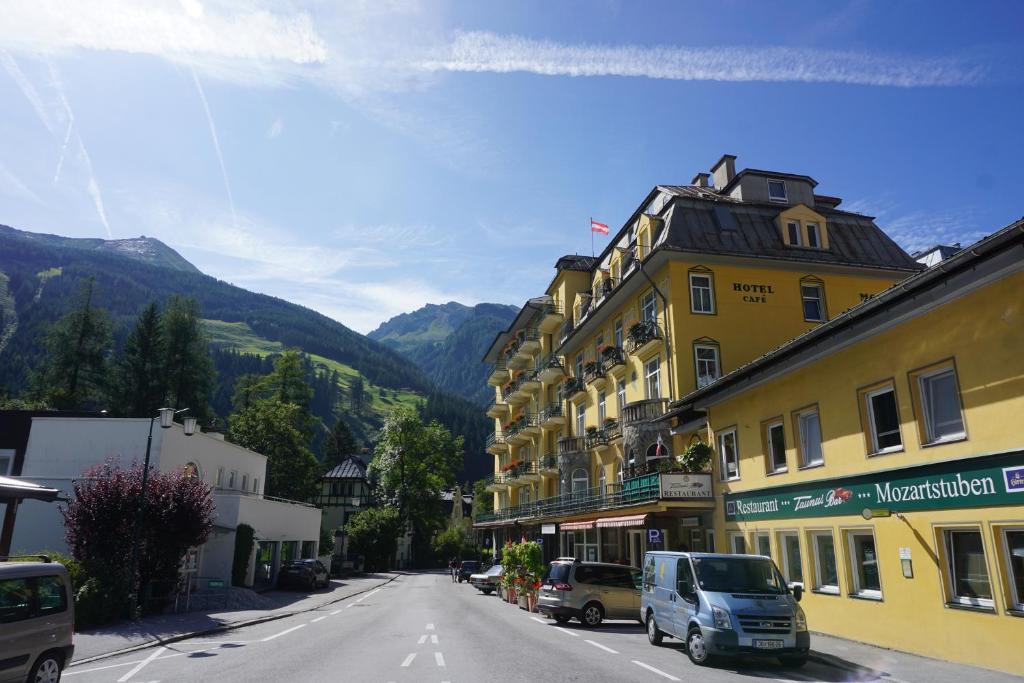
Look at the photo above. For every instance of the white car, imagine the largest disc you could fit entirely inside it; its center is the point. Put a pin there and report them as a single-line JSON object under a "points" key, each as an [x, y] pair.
{"points": [[487, 581]]}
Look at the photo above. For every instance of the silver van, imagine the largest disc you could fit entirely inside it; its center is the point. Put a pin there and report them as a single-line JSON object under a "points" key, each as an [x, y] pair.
{"points": [[37, 617], [723, 605], [589, 591]]}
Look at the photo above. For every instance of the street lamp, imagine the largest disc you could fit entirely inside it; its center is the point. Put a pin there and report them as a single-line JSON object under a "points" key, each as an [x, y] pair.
{"points": [[166, 417]]}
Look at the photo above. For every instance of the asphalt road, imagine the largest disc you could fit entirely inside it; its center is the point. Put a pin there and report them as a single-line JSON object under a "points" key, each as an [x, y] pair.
{"points": [[423, 628]]}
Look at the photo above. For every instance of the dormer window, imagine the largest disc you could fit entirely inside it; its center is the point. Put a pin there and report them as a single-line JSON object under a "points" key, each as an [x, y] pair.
{"points": [[793, 233], [812, 236], [777, 191]]}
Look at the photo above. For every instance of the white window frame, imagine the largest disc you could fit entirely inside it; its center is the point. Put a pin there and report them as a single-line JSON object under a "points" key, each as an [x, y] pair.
{"points": [[854, 564], [817, 286], [785, 192], [602, 411], [9, 454], [573, 479], [793, 236], [722, 462], [709, 289], [1016, 599], [735, 536], [525, 495], [618, 333], [602, 479], [697, 361], [868, 396], [952, 597], [772, 467], [813, 231], [805, 461], [255, 484], [581, 419], [579, 365], [652, 378], [761, 536], [231, 480], [819, 585], [649, 303], [783, 545], [927, 406]]}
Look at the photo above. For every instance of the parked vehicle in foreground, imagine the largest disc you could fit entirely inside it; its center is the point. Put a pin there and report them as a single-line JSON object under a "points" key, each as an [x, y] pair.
{"points": [[467, 568], [487, 581], [723, 605], [37, 618], [589, 591], [308, 574]]}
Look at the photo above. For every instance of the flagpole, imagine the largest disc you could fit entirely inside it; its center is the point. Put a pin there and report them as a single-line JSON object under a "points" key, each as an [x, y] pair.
{"points": [[592, 237]]}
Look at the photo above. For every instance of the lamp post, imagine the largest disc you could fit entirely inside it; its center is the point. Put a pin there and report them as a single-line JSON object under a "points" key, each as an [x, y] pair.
{"points": [[166, 417]]}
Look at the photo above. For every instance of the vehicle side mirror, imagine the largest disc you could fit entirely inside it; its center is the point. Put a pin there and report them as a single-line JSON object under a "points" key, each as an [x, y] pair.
{"points": [[798, 592]]}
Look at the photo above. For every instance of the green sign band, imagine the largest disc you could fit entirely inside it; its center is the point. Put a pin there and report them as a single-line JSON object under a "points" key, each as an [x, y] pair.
{"points": [[985, 481]]}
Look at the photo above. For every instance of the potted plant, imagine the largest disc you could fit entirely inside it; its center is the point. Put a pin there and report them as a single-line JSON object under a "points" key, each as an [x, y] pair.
{"points": [[532, 558], [591, 430], [609, 422], [696, 457]]}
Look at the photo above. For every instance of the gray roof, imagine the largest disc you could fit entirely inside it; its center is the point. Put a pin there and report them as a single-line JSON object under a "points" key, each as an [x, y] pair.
{"points": [[352, 467]]}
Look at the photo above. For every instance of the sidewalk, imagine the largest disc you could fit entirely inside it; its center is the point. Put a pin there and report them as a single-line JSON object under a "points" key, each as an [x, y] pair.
{"points": [[157, 629], [899, 667]]}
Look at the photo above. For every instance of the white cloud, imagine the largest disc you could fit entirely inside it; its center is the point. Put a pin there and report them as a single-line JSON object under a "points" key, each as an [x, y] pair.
{"points": [[275, 129], [917, 230]]}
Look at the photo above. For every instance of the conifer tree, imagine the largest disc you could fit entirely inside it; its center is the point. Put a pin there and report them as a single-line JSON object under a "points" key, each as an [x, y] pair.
{"points": [[187, 362], [140, 383], [340, 443]]}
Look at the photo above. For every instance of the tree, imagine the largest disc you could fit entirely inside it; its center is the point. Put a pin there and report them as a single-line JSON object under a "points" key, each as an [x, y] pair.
{"points": [[287, 383], [247, 391], [98, 521], [187, 362], [483, 500], [139, 381], [340, 443], [76, 365], [270, 427], [356, 394], [373, 533], [451, 543], [412, 464]]}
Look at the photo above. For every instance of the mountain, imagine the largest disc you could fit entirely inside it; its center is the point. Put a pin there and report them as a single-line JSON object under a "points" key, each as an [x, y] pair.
{"points": [[447, 341], [41, 274]]}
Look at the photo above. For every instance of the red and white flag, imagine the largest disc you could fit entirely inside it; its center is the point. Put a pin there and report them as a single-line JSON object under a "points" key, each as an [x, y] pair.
{"points": [[598, 227]]}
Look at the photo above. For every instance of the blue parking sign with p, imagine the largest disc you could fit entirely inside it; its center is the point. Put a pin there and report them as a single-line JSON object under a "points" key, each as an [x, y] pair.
{"points": [[654, 536]]}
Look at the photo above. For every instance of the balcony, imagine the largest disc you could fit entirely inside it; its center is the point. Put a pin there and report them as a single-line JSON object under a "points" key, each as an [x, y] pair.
{"points": [[550, 368], [549, 464], [567, 327], [593, 374], [574, 388], [612, 429], [552, 417], [496, 444], [550, 318], [644, 411], [522, 429], [613, 360], [605, 287], [572, 444], [522, 388], [597, 440], [494, 482], [498, 374], [523, 472], [529, 345], [644, 338], [498, 409]]}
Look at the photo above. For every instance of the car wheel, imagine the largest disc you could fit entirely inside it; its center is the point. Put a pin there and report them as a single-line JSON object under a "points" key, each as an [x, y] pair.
{"points": [[793, 662], [47, 668], [592, 615], [562, 619], [697, 648], [654, 634], [486, 591]]}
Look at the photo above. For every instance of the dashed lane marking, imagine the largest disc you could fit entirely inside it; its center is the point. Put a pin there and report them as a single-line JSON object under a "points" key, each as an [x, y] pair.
{"points": [[439, 659], [566, 631], [433, 639], [430, 627], [138, 667], [539, 620], [408, 660], [282, 633], [422, 639], [313, 621], [336, 612], [602, 647], [653, 670]]}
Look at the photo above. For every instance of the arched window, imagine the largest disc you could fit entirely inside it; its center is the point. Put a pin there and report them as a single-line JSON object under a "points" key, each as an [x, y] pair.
{"points": [[653, 454], [580, 480], [191, 470]]}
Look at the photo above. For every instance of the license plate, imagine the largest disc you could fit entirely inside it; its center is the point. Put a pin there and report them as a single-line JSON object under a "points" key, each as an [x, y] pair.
{"points": [[768, 644]]}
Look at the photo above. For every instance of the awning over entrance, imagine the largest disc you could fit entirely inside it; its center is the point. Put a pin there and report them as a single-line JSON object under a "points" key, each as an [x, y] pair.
{"points": [[577, 526], [627, 520]]}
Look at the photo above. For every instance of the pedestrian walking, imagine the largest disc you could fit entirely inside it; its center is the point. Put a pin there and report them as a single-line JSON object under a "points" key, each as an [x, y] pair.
{"points": [[453, 568]]}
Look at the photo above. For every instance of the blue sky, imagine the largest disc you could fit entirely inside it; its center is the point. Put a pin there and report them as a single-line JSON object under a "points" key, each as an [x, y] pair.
{"points": [[366, 158]]}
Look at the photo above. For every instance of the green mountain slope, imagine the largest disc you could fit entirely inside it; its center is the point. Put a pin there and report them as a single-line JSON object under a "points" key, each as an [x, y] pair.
{"points": [[447, 342]]}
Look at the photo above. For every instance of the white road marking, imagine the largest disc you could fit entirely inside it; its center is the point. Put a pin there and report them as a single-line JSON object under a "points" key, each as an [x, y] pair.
{"points": [[657, 671], [439, 658], [336, 612], [602, 647], [313, 621], [284, 632], [422, 639], [565, 630], [430, 627], [368, 595], [408, 659], [433, 639], [539, 620], [138, 667], [347, 606]]}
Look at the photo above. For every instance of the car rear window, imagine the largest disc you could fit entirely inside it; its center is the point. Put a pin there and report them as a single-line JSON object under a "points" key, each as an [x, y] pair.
{"points": [[15, 600], [53, 598], [558, 572]]}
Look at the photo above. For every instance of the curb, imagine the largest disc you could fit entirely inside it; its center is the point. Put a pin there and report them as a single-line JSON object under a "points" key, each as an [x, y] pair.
{"points": [[221, 629]]}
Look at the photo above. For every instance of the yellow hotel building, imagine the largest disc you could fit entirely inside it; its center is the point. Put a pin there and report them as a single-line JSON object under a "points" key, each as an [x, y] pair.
{"points": [[700, 280], [879, 459]]}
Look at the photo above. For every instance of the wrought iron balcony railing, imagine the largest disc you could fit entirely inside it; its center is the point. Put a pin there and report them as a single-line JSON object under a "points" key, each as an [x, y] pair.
{"points": [[641, 333]]}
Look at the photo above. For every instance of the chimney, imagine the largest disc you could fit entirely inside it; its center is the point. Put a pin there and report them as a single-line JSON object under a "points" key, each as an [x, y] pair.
{"points": [[724, 170], [701, 180]]}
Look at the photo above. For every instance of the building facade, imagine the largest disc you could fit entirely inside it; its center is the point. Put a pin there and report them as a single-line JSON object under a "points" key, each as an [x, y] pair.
{"points": [[344, 492], [700, 280], [879, 461]]}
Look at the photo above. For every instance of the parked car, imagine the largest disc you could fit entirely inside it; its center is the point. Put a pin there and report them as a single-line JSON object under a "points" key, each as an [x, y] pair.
{"points": [[487, 581], [723, 605], [37, 618], [467, 568], [308, 574], [589, 591]]}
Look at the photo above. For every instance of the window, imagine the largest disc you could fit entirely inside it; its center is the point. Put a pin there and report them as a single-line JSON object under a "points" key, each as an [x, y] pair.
{"points": [[814, 302], [524, 495], [702, 294], [581, 420], [220, 476], [968, 572], [808, 427], [601, 410], [15, 600], [231, 480], [649, 307], [1013, 540], [652, 377], [579, 365], [602, 479], [6, 461], [812, 235], [777, 190], [620, 392], [52, 596], [883, 420], [826, 577], [793, 232], [737, 543], [940, 406], [245, 482], [618, 471], [763, 544], [775, 441], [706, 361], [618, 333], [864, 564], [791, 565], [580, 481], [256, 485], [729, 454]]}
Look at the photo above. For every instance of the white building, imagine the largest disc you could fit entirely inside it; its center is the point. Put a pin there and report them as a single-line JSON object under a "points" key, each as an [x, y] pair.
{"points": [[60, 449]]}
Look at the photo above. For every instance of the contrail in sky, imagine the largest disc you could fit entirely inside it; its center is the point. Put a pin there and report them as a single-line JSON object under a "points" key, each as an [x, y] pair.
{"points": [[216, 146]]}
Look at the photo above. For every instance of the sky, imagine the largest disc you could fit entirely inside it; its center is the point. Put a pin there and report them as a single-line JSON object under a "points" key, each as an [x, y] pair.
{"points": [[366, 158]]}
